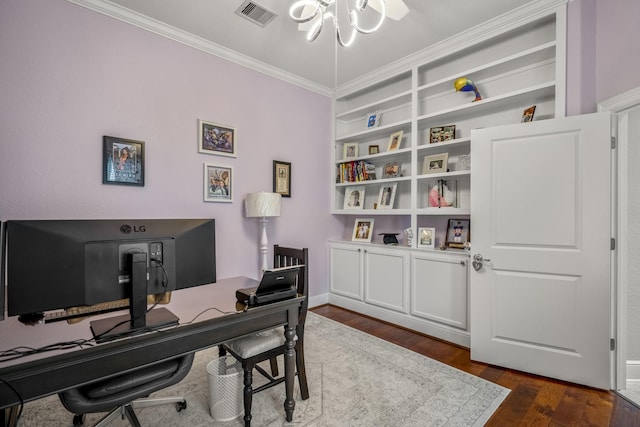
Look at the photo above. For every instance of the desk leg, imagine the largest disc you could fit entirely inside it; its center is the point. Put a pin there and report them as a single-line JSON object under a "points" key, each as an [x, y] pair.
{"points": [[289, 370]]}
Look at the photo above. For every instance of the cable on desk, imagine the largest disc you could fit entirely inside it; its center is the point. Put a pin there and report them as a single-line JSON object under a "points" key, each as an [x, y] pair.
{"points": [[208, 309]]}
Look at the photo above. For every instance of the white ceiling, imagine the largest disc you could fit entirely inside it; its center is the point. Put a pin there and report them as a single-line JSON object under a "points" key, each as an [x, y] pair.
{"points": [[280, 45]]}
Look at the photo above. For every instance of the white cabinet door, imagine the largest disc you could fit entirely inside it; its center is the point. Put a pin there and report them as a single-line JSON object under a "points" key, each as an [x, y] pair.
{"points": [[439, 288], [541, 217], [346, 271], [386, 279]]}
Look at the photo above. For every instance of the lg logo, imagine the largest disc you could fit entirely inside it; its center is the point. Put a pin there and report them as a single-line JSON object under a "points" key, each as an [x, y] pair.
{"points": [[127, 229]]}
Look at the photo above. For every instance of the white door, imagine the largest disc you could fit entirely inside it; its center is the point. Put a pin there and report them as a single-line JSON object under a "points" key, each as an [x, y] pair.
{"points": [[541, 219]]}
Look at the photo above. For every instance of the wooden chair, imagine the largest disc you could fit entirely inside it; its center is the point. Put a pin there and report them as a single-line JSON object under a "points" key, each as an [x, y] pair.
{"points": [[269, 344]]}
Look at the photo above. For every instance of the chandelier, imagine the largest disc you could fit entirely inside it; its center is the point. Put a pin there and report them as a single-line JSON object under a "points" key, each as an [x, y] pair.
{"points": [[303, 11]]}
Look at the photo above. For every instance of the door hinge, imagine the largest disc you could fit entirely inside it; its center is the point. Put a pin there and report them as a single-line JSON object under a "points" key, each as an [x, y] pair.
{"points": [[612, 344], [613, 244], [613, 142]]}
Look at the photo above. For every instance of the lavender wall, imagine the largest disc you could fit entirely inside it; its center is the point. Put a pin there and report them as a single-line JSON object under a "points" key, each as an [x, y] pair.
{"points": [[68, 76], [601, 60]]}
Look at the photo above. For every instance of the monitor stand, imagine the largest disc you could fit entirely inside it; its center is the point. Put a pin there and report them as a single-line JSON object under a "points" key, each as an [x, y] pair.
{"points": [[138, 319]]}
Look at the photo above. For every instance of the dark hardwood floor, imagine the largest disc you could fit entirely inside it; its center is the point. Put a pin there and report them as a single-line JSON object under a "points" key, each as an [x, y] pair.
{"points": [[533, 401]]}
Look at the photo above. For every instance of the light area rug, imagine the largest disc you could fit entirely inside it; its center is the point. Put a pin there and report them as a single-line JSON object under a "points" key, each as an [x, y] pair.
{"points": [[354, 379]]}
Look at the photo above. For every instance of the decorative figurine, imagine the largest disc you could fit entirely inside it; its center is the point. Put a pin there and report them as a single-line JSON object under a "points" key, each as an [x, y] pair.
{"points": [[465, 84], [408, 234]]}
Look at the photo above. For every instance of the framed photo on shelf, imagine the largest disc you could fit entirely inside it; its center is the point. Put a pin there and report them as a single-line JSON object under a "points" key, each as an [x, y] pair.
{"points": [[216, 139], [374, 149], [373, 119], [387, 196], [442, 133], [395, 140], [218, 183], [282, 178], [350, 150], [122, 161], [436, 163], [426, 237], [391, 170], [458, 233], [362, 230], [527, 115], [354, 197]]}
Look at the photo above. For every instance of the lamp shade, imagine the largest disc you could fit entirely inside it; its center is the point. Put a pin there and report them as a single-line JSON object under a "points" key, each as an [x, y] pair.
{"points": [[262, 204]]}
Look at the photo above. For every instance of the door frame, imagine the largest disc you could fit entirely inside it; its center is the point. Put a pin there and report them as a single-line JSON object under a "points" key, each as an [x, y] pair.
{"points": [[617, 105]]}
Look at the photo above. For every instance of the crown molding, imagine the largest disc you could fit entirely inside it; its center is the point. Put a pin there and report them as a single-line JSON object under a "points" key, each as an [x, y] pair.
{"points": [[146, 23], [514, 19]]}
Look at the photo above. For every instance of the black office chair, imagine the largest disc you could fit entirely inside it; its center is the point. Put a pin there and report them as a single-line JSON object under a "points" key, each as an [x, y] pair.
{"points": [[121, 394], [269, 344]]}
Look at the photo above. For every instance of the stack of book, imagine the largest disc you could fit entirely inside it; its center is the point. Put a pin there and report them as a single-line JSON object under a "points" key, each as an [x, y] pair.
{"points": [[356, 171]]}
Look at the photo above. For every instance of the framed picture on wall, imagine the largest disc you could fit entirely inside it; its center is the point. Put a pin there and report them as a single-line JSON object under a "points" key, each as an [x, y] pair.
{"points": [[122, 161], [216, 139], [282, 178], [218, 183]]}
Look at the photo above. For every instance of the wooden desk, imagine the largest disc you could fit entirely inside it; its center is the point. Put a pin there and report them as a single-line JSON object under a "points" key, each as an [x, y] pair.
{"points": [[41, 375]]}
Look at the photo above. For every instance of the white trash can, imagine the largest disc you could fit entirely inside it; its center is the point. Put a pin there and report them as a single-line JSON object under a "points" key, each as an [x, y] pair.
{"points": [[225, 388]]}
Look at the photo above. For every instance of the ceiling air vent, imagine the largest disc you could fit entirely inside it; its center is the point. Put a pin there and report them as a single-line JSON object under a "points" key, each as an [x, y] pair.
{"points": [[255, 13]]}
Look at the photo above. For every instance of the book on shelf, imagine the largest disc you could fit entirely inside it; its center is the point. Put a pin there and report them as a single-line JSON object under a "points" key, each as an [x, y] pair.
{"points": [[356, 171]]}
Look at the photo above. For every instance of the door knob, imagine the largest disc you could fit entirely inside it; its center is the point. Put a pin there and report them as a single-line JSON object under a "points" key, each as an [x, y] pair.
{"points": [[477, 261]]}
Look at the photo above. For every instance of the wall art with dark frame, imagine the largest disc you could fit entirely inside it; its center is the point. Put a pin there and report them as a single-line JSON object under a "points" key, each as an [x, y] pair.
{"points": [[216, 139], [282, 178], [122, 161]]}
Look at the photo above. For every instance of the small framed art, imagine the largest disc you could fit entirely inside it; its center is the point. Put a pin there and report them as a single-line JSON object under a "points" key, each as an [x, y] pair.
{"points": [[443, 193], [527, 115], [395, 140], [350, 150], [354, 197], [458, 233], [391, 170], [426, 237], [282, 178], [373, 119], [218, 183], [442, 133], [362, 230], [374, 149], [216, 139], [387, 196], [436, 163], [122, 161]]}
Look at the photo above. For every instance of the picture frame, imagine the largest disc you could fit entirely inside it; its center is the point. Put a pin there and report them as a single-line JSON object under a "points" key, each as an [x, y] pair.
{"points": [[374, 149], [350, 150], [214, 138], [427, 237], [354, 197], [392, 170], [435, 163], [527, 114], [362, 230], [373, 119], [218, 183], [458, 233], [122, 161], [386, 196], [395, 140], [442, 133], [282, 178]]}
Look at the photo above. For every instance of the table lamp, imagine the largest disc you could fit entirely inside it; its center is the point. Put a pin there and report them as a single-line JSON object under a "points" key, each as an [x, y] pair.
{"points": [[263, 205]]}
